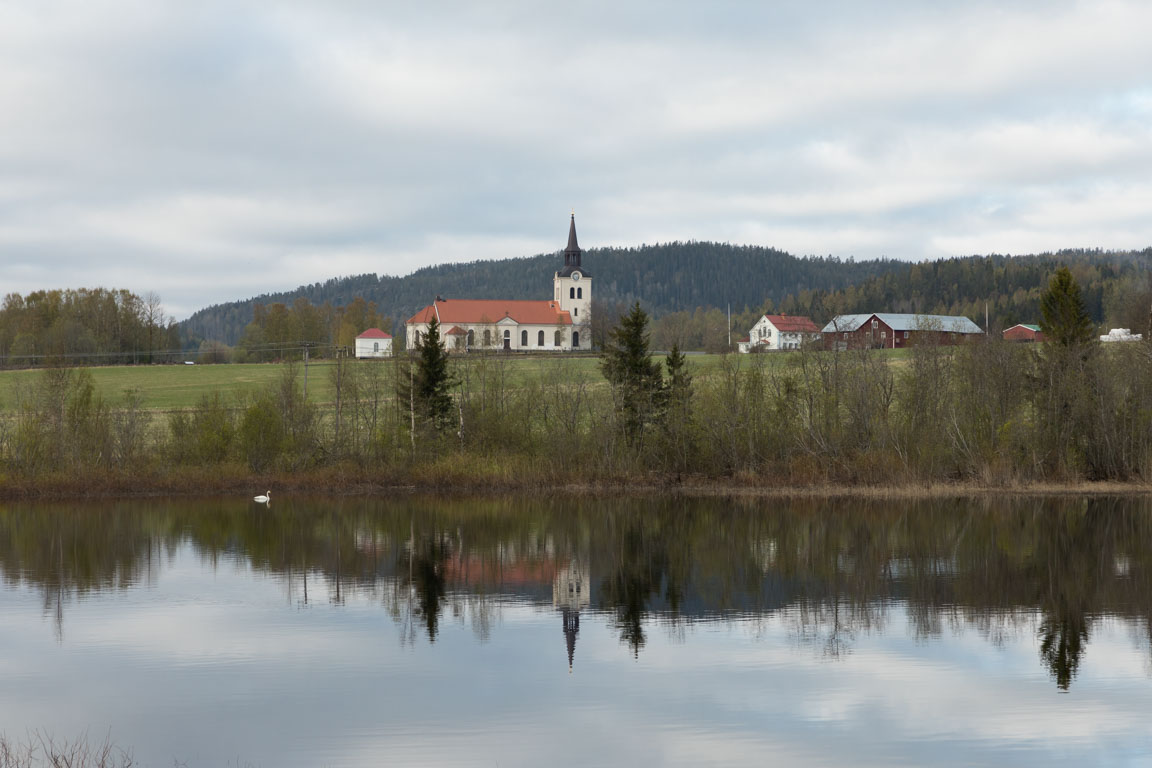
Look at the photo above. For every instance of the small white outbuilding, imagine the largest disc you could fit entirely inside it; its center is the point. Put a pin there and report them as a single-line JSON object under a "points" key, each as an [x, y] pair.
{"points": [[374, 343]]}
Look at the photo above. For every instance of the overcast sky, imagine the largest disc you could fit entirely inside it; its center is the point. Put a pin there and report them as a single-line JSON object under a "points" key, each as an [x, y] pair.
{"points": [[214, 150]]}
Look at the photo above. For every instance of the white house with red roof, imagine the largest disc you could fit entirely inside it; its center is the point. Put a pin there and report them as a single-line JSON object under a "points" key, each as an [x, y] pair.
{"points": [[559, 324], [374, 343], [779, 332]]}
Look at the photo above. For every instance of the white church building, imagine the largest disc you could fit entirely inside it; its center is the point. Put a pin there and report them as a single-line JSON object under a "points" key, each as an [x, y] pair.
{"points": [[559, 324]]}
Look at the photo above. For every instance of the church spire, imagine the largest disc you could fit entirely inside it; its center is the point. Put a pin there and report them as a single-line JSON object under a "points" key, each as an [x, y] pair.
{"points": [[573, 246], [571, 621], [572, 252]]}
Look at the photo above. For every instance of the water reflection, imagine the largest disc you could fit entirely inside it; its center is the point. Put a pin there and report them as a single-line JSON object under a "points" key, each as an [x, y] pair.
{"points": [[1056, 567], [571, 594]]}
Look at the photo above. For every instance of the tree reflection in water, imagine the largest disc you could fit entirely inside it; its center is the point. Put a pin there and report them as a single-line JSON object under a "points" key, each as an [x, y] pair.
{"points": [[833, 569], [425, 565]]}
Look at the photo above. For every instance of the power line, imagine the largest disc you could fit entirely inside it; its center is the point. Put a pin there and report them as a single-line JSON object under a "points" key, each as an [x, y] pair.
{"points": [[267, 347]]}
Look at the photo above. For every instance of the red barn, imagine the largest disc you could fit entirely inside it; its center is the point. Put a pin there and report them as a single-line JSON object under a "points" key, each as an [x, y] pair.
{"points": [[1024, 332], [895, 331]]}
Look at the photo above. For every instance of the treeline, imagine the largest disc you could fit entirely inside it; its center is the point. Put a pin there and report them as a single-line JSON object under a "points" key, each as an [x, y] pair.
{"points": [[665, 278], [1017, 565], [1115, 286], [988, 412], [97, 324], [686, 281], [281, 332]]}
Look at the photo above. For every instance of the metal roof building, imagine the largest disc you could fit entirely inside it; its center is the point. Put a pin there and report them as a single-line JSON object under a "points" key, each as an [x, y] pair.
{"points": [[898, 322]]}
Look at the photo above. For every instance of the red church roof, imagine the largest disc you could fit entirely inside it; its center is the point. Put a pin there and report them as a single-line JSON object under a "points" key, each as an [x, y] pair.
{"points": [[792, 324], [493, 311], [374, 333]]}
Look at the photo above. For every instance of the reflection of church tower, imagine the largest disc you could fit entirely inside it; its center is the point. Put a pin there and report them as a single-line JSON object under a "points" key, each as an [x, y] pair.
{"points": [[570, 594]]}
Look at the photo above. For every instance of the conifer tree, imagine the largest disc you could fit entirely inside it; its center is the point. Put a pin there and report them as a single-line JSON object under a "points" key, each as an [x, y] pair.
{"points": [[679, 380], [433, 380], [1066, 391], [1065, 319], [636, 379], [677, 416]]}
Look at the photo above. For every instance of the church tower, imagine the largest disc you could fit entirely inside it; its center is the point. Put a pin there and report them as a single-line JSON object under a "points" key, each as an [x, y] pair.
{"points": [[572, 289]]}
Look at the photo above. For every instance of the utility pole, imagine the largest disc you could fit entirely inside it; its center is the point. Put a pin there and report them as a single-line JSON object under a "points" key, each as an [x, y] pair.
{"points": [[729, 325], [305, 371]]}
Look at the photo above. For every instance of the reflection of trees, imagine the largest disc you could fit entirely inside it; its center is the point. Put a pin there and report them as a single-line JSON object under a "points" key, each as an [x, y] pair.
{"points": [[1078, 542], [640, 569], [1062, 643], [426, 578], [831, 569]]}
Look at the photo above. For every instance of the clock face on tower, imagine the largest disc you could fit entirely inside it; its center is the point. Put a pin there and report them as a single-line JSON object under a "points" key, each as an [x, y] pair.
{"points": [[575, 275]]}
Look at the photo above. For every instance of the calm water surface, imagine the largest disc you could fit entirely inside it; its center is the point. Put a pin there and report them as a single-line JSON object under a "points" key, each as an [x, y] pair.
{"points": [[533, 632]]}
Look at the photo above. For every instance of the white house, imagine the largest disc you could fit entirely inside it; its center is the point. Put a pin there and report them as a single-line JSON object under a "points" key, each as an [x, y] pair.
{"points": [[772, 332], [373, 343], [559, 324]]}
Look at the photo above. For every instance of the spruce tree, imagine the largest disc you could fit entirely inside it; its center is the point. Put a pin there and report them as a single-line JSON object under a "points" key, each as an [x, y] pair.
{"points": [[1065, 388], [432, 379], [1065, 320], [679, 380], [677, 417], [636, 379]]}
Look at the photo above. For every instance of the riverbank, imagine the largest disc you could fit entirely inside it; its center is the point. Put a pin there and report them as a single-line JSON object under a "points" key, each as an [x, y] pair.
{"points": [[351, 481]]}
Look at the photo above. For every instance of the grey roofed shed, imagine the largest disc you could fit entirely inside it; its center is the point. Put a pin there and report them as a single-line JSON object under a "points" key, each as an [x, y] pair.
{"points": [[948, 323]]}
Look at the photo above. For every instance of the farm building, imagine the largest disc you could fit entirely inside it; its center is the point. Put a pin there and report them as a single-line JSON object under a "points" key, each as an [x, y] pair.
{"points": [[773, 332], [1024, 332], [893, 331], [374, 343], [559, 324]]}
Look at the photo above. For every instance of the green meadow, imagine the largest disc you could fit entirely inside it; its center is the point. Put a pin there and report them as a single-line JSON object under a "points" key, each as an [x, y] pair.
{"points": [[175, 387]]}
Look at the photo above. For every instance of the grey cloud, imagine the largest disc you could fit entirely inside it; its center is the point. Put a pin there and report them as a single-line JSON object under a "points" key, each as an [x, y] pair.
{"points": [[216, 150]]}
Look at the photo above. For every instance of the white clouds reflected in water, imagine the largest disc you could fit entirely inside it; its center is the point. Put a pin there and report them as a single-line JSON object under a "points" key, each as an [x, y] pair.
{"points": [[216, 150], [231, 651]]}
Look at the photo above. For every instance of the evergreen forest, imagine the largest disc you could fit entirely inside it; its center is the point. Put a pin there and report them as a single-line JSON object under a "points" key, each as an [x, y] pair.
{"points": [[688, 288], [663, 278]]}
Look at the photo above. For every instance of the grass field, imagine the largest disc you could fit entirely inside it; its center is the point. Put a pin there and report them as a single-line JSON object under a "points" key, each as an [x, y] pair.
{"points": [[173, 387]]}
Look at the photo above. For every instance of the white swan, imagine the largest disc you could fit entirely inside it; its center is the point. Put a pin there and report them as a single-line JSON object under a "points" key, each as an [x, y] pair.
{"points": [[263, 499]]}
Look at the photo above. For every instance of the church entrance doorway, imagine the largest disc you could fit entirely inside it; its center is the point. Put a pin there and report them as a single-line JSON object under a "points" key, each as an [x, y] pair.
{"points": [[507, 341]]}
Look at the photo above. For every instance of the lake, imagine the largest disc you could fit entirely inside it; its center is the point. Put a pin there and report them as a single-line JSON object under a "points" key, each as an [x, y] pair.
{"points": [[529, 631]]}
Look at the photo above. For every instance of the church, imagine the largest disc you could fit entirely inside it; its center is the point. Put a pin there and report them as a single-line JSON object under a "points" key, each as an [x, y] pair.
{"points": [[559, 324]]}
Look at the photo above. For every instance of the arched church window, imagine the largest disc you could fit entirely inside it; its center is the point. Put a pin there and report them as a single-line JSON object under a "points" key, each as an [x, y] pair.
{"points": [[579, 293], [471, 337], [575, 338], [487, 338], [523, 338], [571, 293], [557, 340], [540, 339]]}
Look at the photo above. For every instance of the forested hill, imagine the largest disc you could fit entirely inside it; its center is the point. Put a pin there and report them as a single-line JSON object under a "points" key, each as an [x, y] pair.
{"points": [[1115, 286], [664, 278]]}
